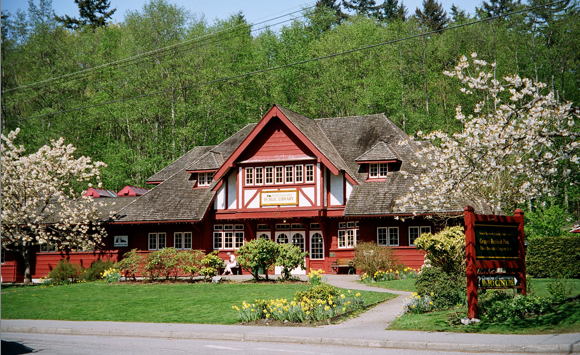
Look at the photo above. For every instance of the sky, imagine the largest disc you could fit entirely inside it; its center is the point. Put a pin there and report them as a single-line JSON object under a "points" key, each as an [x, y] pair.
{"points": [[254, 10]]}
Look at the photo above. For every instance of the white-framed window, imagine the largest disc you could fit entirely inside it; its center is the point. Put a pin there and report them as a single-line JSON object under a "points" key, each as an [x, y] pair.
{"points": [[382, 236], [373, 170], [394, 236], [204, 179], [182, 240], [249, 176], [121, 241], [156, 241], [259, 176], [279, 175], [297, 226], [309, 173], [263, 227], [314, 225], [383, 170], [47, 248], [264, 235], [347, 234], [282, 227], [269, 175], [298, 240], [228, 236], [299, 177], [415, 232], [289, 174], [316, 246], [281, 238]]}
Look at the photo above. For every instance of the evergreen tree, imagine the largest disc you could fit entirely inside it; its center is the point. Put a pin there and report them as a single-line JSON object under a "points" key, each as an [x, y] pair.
{"points": [[388, 10], [457, 14], [362, 7], [499, 7], [402, 12], [433, 16], [332, 5], [89, 14]]}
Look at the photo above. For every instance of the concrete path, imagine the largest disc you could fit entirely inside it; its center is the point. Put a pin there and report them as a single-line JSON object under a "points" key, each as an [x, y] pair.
{"points": [[367, 330]]}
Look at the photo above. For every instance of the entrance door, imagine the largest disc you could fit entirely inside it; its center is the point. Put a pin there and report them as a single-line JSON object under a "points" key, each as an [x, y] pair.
{"points": [[264, 235], [296, 238]]}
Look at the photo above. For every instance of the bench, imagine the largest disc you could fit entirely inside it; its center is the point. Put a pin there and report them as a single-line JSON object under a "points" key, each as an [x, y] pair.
{"points": [[342, 263], [235, 269]]}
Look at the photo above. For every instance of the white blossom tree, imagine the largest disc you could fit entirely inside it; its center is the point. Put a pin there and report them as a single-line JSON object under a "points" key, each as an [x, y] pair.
{"points": [[512, 147], [39, 202]]}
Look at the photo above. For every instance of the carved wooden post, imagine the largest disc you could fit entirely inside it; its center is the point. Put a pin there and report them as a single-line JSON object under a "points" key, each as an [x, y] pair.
{"points": [[471, 269]]}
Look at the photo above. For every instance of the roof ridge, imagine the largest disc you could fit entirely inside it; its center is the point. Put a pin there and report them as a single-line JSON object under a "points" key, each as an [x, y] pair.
{"points": [[183, 155], [337, 152]]}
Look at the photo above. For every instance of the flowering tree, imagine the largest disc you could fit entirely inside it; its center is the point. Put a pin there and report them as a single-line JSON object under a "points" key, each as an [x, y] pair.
{"points": [[39, 204], [515, 142]]}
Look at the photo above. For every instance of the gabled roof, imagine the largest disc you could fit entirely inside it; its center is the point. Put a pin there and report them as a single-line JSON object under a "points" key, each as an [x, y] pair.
{"points": [[379, 152], [97, 193], [306, 129], [179, 164], [132, 191]]}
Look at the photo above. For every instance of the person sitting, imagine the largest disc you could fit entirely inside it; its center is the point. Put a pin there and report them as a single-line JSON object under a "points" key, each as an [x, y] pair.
{"points": [[231, 264]]}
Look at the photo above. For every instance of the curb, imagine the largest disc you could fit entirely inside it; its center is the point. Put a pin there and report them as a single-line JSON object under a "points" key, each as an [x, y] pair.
{"points": [[366, 343]]}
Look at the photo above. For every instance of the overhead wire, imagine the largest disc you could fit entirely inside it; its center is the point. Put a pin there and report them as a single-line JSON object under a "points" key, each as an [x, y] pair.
{"points": [[256, 72]]}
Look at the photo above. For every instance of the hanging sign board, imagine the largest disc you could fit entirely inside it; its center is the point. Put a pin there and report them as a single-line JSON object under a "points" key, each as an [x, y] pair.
{"points": [[496, 242], [279, 198], [497, 281]]}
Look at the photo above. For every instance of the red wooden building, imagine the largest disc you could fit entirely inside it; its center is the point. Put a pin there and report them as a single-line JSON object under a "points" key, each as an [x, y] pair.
{"points": [[321, 184]]}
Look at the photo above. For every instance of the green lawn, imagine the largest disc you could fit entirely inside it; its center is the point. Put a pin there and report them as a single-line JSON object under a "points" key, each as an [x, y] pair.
{"points": [[159, 303], [565, 320]]}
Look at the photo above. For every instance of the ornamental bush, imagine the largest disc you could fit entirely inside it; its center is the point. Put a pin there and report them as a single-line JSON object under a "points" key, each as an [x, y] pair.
{"points": [[189, 262], [501, 306], [445, 250], [289, 258], [370, 258], [553, 257], [161, 263], [111, 275], [258, 254], [131, 264], [210, 265], [95, 271], [446, 290], [65, 272]]}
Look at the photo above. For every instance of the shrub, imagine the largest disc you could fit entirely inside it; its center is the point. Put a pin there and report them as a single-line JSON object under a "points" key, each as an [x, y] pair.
{"points": [[289, 258], [210, 264], [161, 263], [65, 272], [503, 306], [189, 262], [131, 264], [370, 258], [314, 276], [553, 257], [111, 275], [258, 254], [321, 291], [559, 290], [446, 290], [95, 271], [445, 250]]}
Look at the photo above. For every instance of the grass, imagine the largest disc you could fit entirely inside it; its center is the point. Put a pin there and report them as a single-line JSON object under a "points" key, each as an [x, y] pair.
{"points": [[566, 319], [159, 303], [400, 285]]}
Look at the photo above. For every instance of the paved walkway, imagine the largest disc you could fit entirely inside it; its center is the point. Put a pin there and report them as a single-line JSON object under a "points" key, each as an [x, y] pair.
{"points": [[368, 330]]}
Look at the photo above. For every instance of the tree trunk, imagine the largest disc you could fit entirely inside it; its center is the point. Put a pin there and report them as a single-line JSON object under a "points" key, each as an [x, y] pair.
{"points": [[26, 252]]}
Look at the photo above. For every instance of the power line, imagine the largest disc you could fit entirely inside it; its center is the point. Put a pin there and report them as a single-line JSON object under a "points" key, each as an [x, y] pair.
{"points": [[158, 50], [287, 65]]}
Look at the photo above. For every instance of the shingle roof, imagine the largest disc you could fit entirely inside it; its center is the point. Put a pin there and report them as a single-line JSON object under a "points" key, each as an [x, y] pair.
{"points": [[380, 152], [179, 164]]}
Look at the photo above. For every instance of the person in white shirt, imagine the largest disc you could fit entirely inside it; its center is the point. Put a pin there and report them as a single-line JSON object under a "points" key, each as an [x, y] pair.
{"points": [[231, 264]]}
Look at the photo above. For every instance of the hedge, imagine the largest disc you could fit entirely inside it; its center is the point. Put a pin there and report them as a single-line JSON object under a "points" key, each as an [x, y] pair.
{"points": [[553, 257]]}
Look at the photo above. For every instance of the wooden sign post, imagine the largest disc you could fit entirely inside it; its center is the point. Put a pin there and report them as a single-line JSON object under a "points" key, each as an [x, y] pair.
{"points": [[493, 242]]}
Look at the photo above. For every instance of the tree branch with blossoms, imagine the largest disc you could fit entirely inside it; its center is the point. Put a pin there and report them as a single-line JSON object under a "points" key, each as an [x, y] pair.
{"points": [[512, 146], [39, 202]]}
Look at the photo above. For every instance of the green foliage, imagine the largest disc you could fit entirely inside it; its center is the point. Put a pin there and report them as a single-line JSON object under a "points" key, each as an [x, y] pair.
{"points": [[189, 262], [445, 250], [289, 258], [553, 257], [503, 306], [210, 265], [162, 262], [553, 221], [111, 275], [315, 277], [320, 291], [95, 271], [370, 258], [560, 289], [417, 304], [89, 11], [258, 254], [446, 290], [131, 264], [65, 272]]}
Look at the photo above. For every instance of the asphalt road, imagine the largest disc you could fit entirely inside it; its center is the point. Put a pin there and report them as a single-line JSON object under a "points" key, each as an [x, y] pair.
{"points": [[17, 343]]}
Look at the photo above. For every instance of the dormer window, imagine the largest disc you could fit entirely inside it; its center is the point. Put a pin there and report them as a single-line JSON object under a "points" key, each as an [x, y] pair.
{"points": [[204, 179], [378, 170]]}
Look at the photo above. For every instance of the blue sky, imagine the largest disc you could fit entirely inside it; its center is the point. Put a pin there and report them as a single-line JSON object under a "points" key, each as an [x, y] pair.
{"points": [[254, 10]]}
